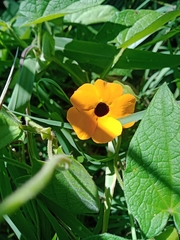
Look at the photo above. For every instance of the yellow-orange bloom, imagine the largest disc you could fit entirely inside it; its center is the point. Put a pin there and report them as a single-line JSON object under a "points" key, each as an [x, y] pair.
{"points": [[96, 108]]}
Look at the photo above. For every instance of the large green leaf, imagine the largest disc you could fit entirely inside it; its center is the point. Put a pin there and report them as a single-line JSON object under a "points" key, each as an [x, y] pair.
{"points": [[74, 190], [101, 13], [101, 55], [152, 175], [41, 11], [156, 24], [120, 20], [142, 23], [129, 17], [10, 128]]}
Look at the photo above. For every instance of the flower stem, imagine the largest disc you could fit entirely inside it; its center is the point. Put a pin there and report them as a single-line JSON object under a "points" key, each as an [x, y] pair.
{"points": [[111, 176], [110, 181], [133, 230], [112, 64]]}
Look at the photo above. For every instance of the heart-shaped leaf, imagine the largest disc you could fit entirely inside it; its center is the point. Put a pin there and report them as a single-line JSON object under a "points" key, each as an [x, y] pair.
{"points": [[152, 174], [46, 10]]}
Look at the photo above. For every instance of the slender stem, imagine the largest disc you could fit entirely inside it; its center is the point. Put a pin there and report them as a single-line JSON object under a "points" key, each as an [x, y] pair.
{"points": [[133, 229], [39, 35], [116, 58], [110, 182], [49, 148], [30, 146], [20, 42], [3, 94], [68, 69], [118, 176], [119, 179], [106, 71], [25, 53], [111, 176], [112, 64]]}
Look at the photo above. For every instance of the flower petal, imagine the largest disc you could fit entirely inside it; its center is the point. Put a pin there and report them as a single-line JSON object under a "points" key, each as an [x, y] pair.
{"points": [[122, 106], [108, 91], [128, 125], [83, 123], [85, 97], [107, 129]]}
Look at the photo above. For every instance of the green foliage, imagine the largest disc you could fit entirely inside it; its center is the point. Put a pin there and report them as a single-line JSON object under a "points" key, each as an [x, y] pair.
{"points": [[74, 189], [55, 186], [11, 127], [152, 172]]}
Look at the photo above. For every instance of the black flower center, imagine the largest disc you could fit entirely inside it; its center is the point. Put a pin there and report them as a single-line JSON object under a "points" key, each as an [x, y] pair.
{"points": [[101, 109]]}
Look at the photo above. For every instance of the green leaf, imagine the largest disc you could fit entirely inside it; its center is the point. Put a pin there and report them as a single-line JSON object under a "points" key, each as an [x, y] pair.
{"points": [[104, 236], [55, 223], [101, 55], [86, 52], [169, 234], [153, 171], [3, 24], [24, 87], [74, 190], [10, 128], [48, 46], [154, 26], [142, 23], [41, 11], [17, 220], [146, 60], [101, 13], [124, 19], [67, 217]]}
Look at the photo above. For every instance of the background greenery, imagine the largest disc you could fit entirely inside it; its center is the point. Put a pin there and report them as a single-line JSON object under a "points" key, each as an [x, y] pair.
{"points": [[61, 45]]}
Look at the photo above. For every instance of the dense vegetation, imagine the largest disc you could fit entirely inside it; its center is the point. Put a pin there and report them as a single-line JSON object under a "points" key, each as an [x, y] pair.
{"points": [[58, 180]]}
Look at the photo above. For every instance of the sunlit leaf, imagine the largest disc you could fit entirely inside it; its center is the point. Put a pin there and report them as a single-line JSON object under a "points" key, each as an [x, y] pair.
{"points": [[152, 173], [140, 19], [101, 13], [101, 55], [40, 11], [136, 35]]}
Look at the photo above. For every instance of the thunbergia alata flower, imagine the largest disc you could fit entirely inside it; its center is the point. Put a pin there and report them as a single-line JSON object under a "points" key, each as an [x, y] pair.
{"points": [[96, 108]]}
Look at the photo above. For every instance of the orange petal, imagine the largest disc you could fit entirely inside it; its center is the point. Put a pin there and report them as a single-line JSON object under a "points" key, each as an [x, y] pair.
{"points": [[122, 106], [108, 91], [107, 129], [116, 90], [85, 97], [102, 90], [128, 125], [83, 123]]}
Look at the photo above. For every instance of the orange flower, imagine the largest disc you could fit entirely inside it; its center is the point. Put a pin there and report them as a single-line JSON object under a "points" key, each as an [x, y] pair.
{"points": [[96, 108]]}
